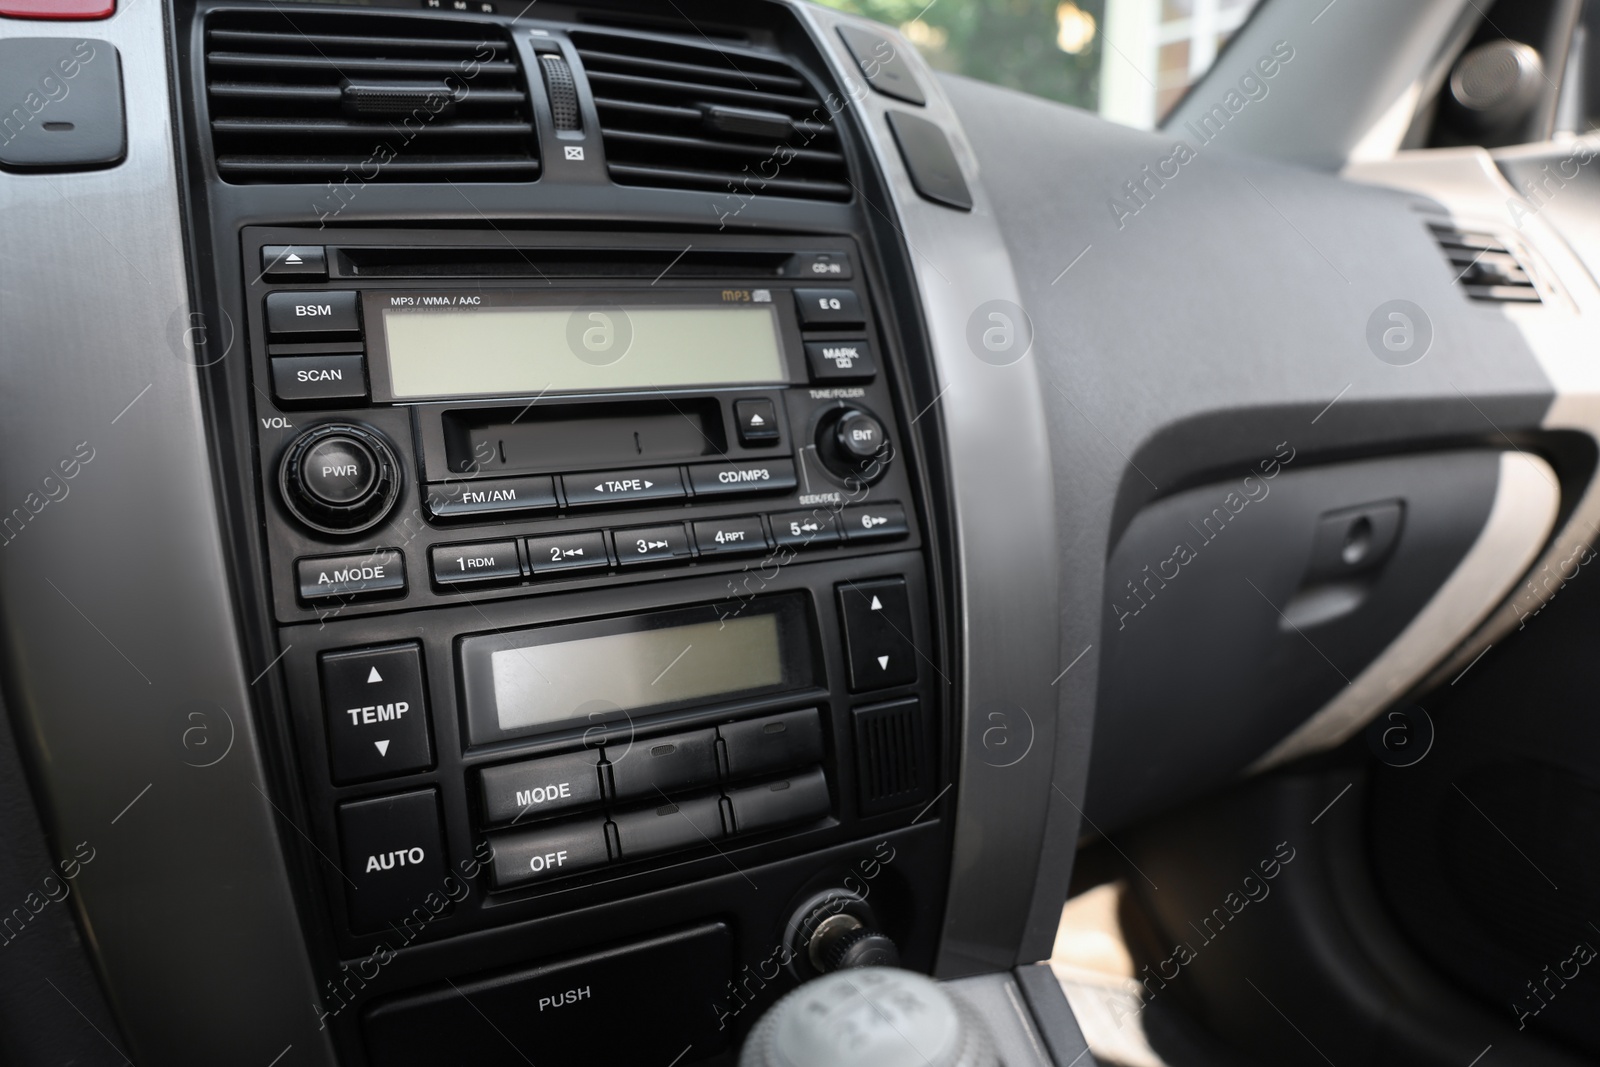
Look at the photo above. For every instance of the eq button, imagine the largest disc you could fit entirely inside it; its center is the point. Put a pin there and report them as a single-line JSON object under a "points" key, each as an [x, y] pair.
{"points": [[829, 307], [376, 707]]}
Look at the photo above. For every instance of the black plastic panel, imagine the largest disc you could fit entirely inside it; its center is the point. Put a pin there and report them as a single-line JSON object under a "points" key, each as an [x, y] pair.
{"points": [[1224, 613]]}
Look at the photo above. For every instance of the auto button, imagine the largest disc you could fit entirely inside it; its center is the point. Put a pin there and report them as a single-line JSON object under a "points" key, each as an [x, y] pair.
{"points": [[393, 850]]}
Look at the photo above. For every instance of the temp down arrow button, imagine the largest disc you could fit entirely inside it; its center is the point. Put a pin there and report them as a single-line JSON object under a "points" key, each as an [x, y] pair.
{"points": [[878, 633], [375, 705]]}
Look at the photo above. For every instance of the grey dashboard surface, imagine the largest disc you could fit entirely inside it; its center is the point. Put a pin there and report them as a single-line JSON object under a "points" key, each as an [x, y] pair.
{"points": [[123, 672], [1194, 310]]}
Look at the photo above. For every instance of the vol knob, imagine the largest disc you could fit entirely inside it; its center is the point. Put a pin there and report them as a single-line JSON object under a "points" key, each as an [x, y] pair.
{"points": [[339, 479], [852, 443]]}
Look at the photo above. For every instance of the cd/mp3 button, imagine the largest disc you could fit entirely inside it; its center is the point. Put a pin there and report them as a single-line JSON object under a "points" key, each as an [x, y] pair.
{"points": [[622, 487], [762, 476]]}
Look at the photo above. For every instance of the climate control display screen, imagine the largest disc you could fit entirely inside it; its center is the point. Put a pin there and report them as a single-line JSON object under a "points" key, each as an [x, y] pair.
{"points": [[583, 674]]}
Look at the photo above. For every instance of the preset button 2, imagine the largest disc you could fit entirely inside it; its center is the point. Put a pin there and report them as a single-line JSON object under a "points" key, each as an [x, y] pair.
{"points": [[376, 706]]}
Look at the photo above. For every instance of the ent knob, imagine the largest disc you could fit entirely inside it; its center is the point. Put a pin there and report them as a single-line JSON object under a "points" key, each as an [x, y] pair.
{"points": [[851, 443], [873, 1017], [339, 479]]}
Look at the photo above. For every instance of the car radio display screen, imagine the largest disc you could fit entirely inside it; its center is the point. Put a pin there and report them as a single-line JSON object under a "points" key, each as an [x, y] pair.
{"points": [[523, 350], [548, 677]]}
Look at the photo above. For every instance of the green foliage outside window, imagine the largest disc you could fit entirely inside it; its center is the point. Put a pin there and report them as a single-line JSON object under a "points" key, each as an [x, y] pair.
{"points": [[1015, 43]]}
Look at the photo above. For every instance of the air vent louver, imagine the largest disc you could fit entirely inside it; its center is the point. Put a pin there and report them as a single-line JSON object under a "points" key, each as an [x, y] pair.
{"points": [[693, 116], [299, 96], [1486, 268]]}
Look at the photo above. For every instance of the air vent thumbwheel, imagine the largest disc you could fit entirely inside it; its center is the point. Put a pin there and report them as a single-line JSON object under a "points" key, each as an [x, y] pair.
{"points": [[339, 479]]}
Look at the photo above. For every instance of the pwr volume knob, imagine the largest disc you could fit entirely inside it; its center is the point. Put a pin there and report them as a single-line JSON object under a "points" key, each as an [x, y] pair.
{"points": [[339, 479]]}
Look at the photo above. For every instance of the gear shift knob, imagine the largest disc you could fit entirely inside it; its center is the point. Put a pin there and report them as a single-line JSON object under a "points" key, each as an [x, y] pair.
{"points": [[869, 1017]]}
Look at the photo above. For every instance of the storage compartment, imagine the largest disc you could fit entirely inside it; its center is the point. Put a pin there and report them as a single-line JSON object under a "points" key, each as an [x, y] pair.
{"points": [[646, 1002]]}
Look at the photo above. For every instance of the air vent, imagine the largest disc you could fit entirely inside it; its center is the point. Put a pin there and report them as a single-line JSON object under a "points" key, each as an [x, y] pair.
{"points": [[694, 116], [307, 97], [1486, 268], [889, 755]]}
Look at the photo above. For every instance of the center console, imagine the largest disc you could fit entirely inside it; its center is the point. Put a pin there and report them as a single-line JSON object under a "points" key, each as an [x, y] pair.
{"points": [[597, 570]]}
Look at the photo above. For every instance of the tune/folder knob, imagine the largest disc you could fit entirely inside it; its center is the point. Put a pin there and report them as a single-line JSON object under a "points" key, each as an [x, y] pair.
{"points": [[853, 443], [339, 479]]}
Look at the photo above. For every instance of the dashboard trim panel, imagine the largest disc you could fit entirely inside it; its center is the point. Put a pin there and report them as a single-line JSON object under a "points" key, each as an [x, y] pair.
{"points": [[124, 671], [1005, 885]]}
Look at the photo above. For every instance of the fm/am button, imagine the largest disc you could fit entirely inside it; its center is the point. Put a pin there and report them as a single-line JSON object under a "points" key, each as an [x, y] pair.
{"points": [[468, 498]]}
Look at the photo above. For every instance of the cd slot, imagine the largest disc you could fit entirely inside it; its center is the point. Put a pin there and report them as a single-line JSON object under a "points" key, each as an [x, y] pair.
{"points": [[547, 263], [534, 439]]}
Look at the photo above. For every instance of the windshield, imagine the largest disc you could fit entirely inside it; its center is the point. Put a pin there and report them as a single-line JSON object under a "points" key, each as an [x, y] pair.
{"points": [[1129, 60]]}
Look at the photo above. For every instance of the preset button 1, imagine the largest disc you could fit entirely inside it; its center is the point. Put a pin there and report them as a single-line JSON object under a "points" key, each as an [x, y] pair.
{"points": [[376, 708], [482, 561]]}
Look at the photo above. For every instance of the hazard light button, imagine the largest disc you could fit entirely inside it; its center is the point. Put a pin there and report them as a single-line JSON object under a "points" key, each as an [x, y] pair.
{"points": [[376, 707]]}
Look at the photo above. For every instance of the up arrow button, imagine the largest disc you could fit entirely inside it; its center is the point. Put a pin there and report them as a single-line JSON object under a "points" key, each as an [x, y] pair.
{"points": [[878, 633]]}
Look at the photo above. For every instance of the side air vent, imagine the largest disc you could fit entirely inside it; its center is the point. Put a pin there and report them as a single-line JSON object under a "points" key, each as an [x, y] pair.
{"points": [[300, 96], [1486, 268], [694, 116]]}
